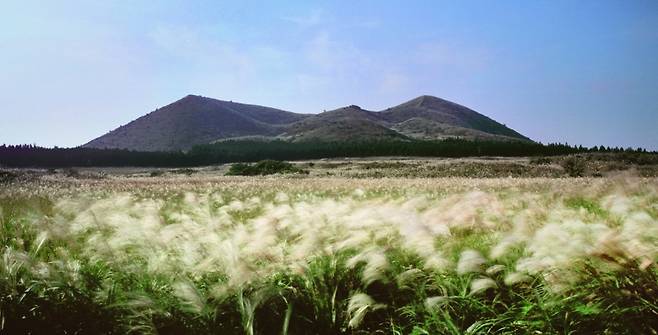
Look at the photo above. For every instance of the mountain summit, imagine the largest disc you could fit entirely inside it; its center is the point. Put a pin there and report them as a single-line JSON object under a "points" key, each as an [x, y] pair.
{"points": [[195, 120]]}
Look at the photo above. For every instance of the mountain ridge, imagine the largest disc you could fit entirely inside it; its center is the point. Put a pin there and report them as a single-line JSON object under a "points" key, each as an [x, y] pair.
{"points": [[194, 120]]}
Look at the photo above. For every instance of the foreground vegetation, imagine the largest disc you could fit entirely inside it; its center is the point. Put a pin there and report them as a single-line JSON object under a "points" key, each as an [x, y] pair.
{"points": [[328, 256]]}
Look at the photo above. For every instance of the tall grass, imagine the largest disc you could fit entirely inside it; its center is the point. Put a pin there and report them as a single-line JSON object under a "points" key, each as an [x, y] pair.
{"points": [[504, 260]]}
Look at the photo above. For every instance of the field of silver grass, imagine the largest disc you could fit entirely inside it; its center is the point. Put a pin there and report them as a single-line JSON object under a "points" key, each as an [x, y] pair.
{"points": [[325, 256]]}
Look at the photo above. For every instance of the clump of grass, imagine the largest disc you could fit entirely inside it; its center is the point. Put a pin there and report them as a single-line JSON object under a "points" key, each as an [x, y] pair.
{"points": [[589, 205]]}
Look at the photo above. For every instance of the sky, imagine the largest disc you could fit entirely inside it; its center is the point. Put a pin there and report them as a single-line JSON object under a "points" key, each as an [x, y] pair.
{"points": [[581, 72]]}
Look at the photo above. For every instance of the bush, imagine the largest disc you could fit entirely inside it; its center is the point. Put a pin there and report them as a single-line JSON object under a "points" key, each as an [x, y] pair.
{"points": [[574, 166], [540, 161], [71, 173], [7, 177], [264, 167], [185, 171]]}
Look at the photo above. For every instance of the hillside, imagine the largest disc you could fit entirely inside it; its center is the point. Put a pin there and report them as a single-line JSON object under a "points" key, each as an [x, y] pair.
{"points": [[196, 120], [347, 123], [423, 129], [447, 113]]}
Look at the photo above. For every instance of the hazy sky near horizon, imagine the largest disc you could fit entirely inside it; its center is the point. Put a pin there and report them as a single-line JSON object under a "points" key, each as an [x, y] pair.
{"points": [[582, 72]]}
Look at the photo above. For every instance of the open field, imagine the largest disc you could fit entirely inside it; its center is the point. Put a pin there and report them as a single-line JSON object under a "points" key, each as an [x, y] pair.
{"points": [[335, 251], [578, 165]]}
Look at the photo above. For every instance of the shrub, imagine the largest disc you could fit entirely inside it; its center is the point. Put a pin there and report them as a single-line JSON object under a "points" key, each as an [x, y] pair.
{"points": [[71, 173], [264, 167], [574, 166], [540, 161], [7, 177], [185, 171]]}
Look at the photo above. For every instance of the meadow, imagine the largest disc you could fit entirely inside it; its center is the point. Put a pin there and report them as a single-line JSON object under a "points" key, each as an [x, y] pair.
{"points": [[207, 254]]}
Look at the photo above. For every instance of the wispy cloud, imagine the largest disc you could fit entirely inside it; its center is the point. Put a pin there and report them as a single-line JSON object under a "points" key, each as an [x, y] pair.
{"points": [[214, 65], [313, 18], [392, 82], [448, 55], [368, 23], [194, 45]]}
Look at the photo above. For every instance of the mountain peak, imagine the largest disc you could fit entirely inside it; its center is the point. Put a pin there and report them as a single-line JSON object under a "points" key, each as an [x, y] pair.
{"points": [[193, 97], [448, 113], [427, 100]]}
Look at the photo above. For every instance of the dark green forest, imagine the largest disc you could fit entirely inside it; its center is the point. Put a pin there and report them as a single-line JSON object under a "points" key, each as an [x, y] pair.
{"points": [[254, 150]]}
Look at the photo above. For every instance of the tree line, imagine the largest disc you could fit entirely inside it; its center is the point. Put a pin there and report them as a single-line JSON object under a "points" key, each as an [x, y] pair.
{"points": [[255, 150]]}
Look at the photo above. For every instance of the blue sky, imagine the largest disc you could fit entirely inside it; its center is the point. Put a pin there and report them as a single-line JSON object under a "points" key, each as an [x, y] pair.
{"points": [[582, 72]]}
